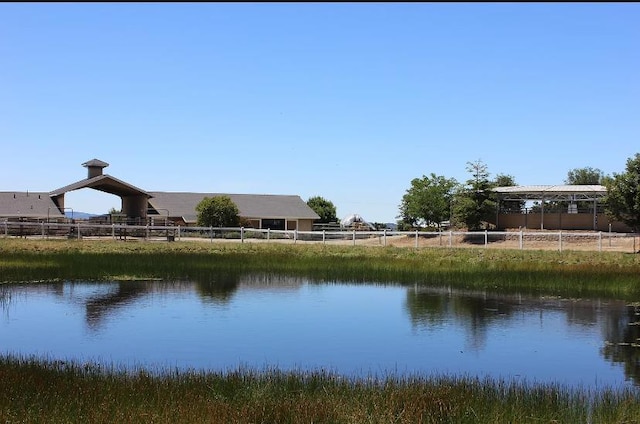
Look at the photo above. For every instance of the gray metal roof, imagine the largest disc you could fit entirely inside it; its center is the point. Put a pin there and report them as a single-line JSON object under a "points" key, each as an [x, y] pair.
{"points": [[96, 162], [552, 192], [29, 205], [105, 183], [265, 206]]}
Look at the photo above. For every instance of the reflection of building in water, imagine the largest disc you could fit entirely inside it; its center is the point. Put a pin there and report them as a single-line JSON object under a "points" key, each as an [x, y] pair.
{"points": [[102, 300]]}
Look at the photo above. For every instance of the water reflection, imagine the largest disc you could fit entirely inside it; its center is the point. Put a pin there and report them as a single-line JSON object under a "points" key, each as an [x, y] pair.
{"points": [[622, 340], [216, 320], [476, 312]]}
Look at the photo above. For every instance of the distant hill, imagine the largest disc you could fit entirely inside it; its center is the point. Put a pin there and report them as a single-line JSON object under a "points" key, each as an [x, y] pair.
{"points": [[79, 215]]}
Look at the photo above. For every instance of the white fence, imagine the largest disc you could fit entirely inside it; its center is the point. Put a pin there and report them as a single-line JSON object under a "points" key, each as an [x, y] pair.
{"points": [[546, 240]]}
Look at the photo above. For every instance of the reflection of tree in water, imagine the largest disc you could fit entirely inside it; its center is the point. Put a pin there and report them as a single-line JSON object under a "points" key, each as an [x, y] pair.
{"points": [[432, 307], [218, 288], [125, 293], [622, 340]]}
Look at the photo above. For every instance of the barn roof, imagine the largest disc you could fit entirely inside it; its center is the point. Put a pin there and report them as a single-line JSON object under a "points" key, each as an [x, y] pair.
{"points": [[265, 206], [551, 192], [105, 183], [15, 204]]}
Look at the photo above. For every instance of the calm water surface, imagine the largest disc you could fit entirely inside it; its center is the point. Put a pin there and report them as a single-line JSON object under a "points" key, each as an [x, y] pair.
{"points": [[353, 329]]}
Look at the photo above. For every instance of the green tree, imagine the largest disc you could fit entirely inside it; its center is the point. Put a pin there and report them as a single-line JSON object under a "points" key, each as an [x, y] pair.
{"points": [[428, 201], [584, 176], [623, 194], [503, 180], [217, 211], [324, 208], [474, 205]]}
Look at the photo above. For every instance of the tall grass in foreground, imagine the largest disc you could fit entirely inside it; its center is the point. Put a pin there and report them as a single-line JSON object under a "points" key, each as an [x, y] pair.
{"points": [[571, 274], [35, 390]]}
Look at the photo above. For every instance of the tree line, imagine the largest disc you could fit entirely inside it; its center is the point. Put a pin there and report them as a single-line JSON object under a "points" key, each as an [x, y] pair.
{"points": [[435, 200]]}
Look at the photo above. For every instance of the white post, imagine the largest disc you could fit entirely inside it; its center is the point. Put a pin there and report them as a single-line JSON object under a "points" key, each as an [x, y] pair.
{"points": [[6, 229], [78, 226], [599, 241], [268, 233], [521, 240], [450, 237], [486, 238], [354, 238], [416, 239], [384, 237], [43, 229], [178, 233], [146, 232], [295, 236], [560, 240], [211, 234], [113, 231], [241, 234], [324, 236]]}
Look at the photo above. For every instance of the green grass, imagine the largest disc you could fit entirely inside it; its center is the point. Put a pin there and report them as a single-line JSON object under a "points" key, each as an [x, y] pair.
{"points": [[36, 390], [570, 274]]}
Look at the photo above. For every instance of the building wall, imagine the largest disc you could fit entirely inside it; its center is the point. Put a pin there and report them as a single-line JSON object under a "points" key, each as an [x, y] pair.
{"points": [[560, 221], [305, 224], [134, 206]]}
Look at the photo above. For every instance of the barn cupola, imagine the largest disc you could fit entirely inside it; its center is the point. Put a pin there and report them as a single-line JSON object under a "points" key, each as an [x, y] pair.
{"points": [[95, 167]]}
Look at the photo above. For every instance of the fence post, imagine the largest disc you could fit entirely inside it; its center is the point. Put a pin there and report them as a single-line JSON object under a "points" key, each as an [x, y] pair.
{"points": [[324, 236], [560, 240], [178, 233], [384, 237], [295, 236], [450, 237], [486, 238], [354, 239], [521, 240], [42, 229], [78, 227], [146, 232], [599, 241], [241, 234], [268, 233], [6, 229], [211, 233], [416, 239]]}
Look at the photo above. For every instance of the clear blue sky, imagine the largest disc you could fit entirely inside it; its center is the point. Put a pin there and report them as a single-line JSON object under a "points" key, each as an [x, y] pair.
{"points": [[347, 101]]}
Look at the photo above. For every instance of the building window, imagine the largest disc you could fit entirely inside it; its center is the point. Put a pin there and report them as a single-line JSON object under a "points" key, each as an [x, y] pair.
{"points": [[273, 224]]}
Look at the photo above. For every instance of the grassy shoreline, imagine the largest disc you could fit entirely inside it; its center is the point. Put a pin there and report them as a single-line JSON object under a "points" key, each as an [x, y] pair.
{"points": [[568, 274], [33, 390]]}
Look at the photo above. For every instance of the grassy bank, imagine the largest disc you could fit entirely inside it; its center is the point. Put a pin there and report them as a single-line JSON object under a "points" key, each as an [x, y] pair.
{"points": [[34, 390], [570, 273]]}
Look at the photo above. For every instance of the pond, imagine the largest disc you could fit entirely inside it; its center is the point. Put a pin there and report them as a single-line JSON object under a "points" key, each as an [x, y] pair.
{"points": [[357, 330]]}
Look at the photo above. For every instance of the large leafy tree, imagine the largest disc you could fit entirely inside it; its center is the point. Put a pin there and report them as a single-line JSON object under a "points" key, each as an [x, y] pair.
{"points": [[584, 176], [474, 205], [217, 211], [324, 208], [623, 194], [427, 201]]}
